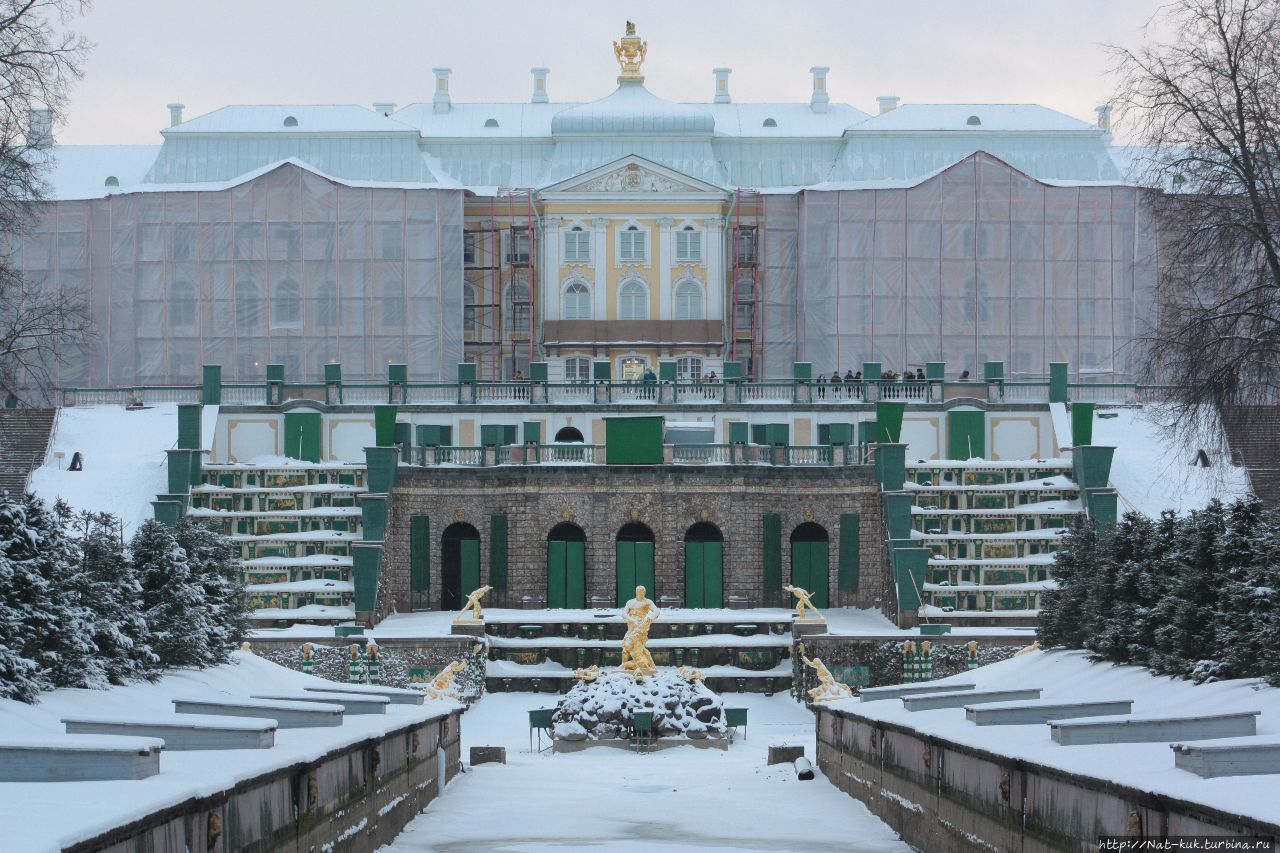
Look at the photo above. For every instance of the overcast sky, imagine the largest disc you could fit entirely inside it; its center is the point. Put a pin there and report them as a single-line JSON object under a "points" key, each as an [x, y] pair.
{"points": [[210, 53]]}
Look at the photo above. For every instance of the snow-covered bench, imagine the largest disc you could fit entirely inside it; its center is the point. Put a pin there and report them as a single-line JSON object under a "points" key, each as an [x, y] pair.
{"points": [[353, 704], [78, 758], [932, 701], [897, 691], [1155, 729], [1228, 759], [397, 695], [1021, 713], [184, 731], [288, 715]]}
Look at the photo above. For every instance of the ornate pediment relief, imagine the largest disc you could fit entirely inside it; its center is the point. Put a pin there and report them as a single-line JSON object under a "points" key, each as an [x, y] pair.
{"points": [[632, 178]]}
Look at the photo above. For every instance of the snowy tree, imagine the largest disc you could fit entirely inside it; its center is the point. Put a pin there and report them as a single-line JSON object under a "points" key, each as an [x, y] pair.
{"points": [[1062, 611], [22, 591], [172, 597], [215, 566], [111, 582]]}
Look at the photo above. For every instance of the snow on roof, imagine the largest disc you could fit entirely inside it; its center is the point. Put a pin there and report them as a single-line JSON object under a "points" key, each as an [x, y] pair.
{"points": [[633, 110], [955, 117], [748, 120], [520, 120], [274, 118], [82, 171]]}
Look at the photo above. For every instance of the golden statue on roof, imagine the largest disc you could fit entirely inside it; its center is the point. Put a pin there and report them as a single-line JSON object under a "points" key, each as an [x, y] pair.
{"points": [[630, 53]]}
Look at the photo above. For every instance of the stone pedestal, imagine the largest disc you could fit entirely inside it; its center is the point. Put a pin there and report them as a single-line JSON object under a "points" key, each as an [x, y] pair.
{"points": [[785, 754], [467, 628], [805, 627], [488, 755]]}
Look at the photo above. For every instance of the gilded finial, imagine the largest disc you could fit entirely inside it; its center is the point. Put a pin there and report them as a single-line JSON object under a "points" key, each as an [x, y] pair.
{"points": [[630, 53]]}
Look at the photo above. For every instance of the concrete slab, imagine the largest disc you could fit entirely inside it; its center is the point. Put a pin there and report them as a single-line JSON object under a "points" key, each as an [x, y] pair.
{"points": [[1022, 713], [1154, 729], [963, 698], [183, 732], [288, 715], [897, 691], [397, 695], [79, 758], [1235, 758], [350, 702]]}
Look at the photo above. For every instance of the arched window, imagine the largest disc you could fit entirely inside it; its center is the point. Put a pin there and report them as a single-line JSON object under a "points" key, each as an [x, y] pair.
{"points": [[577, 368], [633, 301], [286, 303], [327, 305], [688, 368], [469, 308], [518, 307], [577, 302], [248, 304], [290, 121], [770, 123], [182, 307], [688, 300], [570, 434], [493, 122], [973, 121], [112, 181]]}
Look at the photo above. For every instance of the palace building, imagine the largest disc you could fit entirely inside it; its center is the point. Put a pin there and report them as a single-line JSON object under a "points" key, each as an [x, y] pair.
{"points": [[600, 238]]}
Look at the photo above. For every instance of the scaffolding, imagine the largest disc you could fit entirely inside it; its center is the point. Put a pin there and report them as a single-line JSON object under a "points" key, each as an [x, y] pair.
{"points": [[500, 259], [746, 282]]}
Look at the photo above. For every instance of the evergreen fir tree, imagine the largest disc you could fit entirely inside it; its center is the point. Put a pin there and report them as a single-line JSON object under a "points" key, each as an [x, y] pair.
{"points": [[1062, 609], [172, 598], [22, 591], [110, 581], [215, 566], [69, 653]]}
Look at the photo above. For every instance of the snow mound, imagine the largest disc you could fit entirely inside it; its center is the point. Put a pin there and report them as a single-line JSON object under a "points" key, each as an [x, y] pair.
{"points": [[606, 707]]}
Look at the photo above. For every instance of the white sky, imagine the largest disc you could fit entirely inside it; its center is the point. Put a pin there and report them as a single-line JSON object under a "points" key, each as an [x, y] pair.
{"points": [[210, 53]]}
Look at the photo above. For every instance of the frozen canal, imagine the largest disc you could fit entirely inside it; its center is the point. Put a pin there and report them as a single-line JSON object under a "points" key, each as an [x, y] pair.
{"points": [[605, 799]]}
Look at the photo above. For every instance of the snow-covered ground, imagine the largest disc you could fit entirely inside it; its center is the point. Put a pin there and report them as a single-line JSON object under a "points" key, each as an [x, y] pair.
{"points": [[53, 815], [1071, 677], [1153, 475], [125, 465], [668, 801]]}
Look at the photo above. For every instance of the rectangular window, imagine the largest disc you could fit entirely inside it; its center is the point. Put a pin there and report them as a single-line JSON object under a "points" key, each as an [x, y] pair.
{"points": [[745, 245], [577, 369], [631, 247], [577, 247], [468, 248], [688, 246], [518, 248], [688, 368]]}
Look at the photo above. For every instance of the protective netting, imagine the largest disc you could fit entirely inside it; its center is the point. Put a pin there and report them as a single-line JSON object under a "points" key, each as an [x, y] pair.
{"points": [[980, 263], [286, 268]]}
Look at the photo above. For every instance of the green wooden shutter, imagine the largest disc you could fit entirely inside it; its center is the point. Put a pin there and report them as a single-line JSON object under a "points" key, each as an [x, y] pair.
{"points": [[556, 573], [625, 556], [772, 552], [470, 553], [419, 553], [713, 574], [498, 551], [575, 574], [848, 572], [693, 575], [644, 569]]}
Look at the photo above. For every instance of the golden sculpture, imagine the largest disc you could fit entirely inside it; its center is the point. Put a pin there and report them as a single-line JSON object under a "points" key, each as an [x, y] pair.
{"points": [[441, 687], [591, 673], [1034, 647], [640, 613], [630, 53], [828, 689], [473, 604], [688, 673], [804, 603]]}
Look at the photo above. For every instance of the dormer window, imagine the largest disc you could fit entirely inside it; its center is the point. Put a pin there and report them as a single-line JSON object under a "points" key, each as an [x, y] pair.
{"points": [[973, 121], [770, 123], [111, 181], [290, 121], [493, 122]]}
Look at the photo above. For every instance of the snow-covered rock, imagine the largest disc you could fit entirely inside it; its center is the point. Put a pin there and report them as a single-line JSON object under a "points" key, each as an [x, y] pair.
{"points": [[606, 708]]}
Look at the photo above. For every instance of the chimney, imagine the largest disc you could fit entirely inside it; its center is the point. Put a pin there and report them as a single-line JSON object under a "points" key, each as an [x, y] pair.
{"points": [[722, 84], [384, 108], [539, 85], [440, 100], [40, 127], [175, 114], [888, 103], [1104, 120], [818, 101]]}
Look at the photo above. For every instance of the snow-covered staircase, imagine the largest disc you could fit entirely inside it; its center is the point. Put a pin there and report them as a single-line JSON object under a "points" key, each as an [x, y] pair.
{"points": [[24, 440], [1251, 434]]}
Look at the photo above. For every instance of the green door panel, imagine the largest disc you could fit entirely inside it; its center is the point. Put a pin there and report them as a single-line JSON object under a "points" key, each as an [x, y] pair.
{"points": [[713, 574], [693, 571], [634, 568], [419, 553], [810, 570], [555, 573], [966, 435], [575, 575], [302, 436], [470, 553]]}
